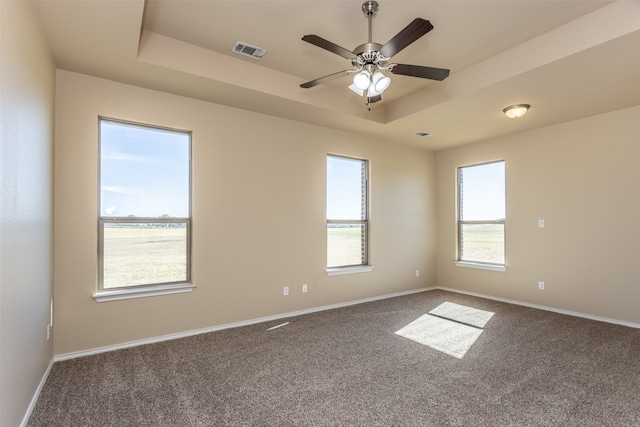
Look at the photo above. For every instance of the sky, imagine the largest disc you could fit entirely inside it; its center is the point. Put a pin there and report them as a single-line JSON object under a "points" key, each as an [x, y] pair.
{"points": [[483, 188], [143, 171], [343, 188]]}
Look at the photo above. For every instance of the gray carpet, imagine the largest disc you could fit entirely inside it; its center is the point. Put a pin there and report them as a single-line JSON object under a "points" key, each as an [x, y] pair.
{"points": [[349, 367]]}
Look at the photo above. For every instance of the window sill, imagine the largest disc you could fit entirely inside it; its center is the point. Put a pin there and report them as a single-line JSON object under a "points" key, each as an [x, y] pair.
{"points": [[147, 291], [481, 266], [335, 271]]}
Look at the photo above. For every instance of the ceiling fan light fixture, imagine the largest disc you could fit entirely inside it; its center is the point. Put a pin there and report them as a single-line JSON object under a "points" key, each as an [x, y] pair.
{"points": [[372, 90], [362, 80], [356, 90], [516, 111], [380, 82]]}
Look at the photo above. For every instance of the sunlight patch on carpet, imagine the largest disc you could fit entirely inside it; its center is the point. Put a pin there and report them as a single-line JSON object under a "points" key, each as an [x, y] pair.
{"points": [[463, 314], [447, 328]]}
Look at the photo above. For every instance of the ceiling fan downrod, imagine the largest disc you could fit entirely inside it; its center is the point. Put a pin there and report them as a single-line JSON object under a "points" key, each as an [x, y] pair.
{"points": [[367, 54], [370, 8]]}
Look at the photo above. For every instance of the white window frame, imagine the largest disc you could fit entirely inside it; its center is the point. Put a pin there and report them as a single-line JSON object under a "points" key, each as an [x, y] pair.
{"points": [[151, 289], [364, 266], [483, 265]]}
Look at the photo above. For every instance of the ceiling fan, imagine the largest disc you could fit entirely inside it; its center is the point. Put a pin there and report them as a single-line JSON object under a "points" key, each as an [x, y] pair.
{"points": [[370, 59]]}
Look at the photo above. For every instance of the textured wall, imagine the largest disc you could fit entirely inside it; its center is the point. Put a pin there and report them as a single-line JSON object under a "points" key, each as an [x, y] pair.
{"points": [[27, 82], [258, 216], [582, 178]]}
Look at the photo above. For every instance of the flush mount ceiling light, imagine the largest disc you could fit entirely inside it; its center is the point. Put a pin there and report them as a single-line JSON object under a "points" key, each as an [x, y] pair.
{"points": [[515, 111]]}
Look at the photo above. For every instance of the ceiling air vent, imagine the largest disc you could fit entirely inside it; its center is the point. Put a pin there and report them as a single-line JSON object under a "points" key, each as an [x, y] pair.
{"points": [[248, 50]]}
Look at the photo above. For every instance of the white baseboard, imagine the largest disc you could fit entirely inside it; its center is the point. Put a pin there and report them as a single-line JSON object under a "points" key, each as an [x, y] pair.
{"points": [[36, 395], [105, 349], [145, 341], [545, 308]]}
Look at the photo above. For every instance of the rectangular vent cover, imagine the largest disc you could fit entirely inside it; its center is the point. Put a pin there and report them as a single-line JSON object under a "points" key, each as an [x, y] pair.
{"points": [[246, 49]]}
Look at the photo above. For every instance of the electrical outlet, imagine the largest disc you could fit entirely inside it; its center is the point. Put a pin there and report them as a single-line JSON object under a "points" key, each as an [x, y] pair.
{"points": [[541, 223], [417, 273], [304, 288], [285, 292], [541, 286]]}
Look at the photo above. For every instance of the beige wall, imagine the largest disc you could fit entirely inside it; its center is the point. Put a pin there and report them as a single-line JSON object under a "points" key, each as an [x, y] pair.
{"points": [[258, 216], [583, 179], [27, 84]]}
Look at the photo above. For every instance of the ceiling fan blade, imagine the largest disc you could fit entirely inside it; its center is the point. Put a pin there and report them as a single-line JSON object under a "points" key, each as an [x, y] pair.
{"points": [[412, 32], [420, 71], [321, 80], [327, 45], [374, 99]]}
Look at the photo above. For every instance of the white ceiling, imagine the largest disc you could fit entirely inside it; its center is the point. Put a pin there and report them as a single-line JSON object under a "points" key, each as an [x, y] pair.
{"points": [[568, 59]]}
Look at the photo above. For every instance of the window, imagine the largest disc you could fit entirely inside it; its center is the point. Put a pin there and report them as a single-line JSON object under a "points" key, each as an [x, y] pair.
{"points": [[145, 207], [347, 212], [481, 214]]}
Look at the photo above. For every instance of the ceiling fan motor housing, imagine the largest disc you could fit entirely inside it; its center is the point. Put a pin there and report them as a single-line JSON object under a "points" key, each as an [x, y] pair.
{"points": [[366, 48], [367, 55]]}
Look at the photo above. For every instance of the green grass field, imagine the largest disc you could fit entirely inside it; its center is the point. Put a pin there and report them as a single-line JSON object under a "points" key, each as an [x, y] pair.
{"points": [[137, 255], [344, 246], [483, 243]]}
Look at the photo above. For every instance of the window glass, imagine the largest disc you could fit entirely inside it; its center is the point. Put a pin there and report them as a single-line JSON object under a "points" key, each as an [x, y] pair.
{"points": [[144, 253], [481, 213], [482, 243], [347, 225], [144, 171], [482, 192], [346, 198], [145, 223]]}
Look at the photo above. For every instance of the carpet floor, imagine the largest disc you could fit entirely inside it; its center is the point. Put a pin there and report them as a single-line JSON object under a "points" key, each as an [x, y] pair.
{"points": [[383, 363]]}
